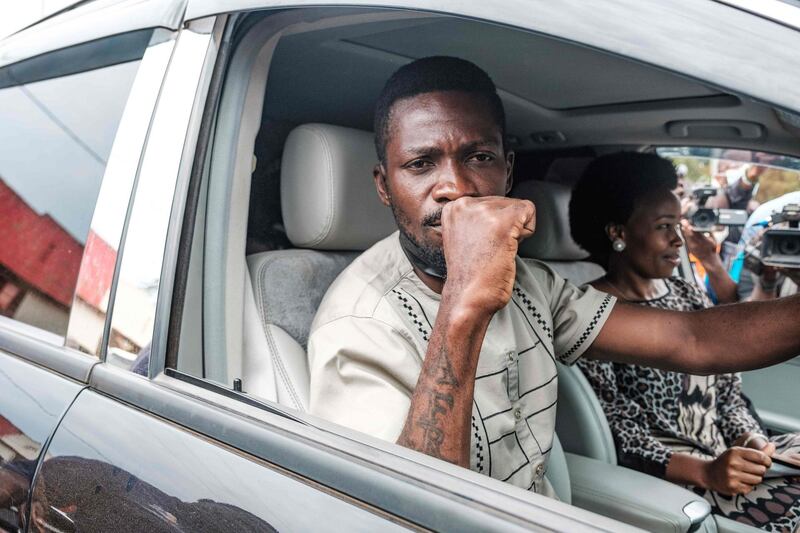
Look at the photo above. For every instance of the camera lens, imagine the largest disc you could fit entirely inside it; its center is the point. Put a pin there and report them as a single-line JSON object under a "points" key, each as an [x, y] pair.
{"points": [[788, 245], [703, 218]]}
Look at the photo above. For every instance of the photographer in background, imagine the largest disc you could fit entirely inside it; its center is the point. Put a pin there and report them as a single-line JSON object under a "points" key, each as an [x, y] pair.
{"points": [[713, 275], [738, 180], [770, 282]]}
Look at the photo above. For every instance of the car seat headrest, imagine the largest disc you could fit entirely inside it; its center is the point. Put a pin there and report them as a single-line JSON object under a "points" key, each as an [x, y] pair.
{"points": [[552, 240], [327, 194]]}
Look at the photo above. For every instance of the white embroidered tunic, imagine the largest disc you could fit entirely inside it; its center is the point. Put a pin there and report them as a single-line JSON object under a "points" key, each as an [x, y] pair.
{"points": [[370, 336]]}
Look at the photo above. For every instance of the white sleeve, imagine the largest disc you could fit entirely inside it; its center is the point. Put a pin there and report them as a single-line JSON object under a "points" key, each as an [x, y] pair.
{"points": [[578, 316], [363, 372]]}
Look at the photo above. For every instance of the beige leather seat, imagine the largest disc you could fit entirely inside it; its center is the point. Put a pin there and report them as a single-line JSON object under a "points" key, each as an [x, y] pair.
{"points": [[331, 213]]}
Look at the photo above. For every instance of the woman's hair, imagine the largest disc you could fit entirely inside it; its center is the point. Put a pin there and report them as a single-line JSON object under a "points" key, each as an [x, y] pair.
{"points": [[607, 193]]}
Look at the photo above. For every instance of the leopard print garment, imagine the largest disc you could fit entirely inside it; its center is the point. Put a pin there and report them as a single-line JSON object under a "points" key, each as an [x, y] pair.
{"points": [[653, 413]]}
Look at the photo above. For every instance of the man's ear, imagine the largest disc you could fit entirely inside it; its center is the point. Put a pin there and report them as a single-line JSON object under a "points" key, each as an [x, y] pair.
{"points": [[379, 176], [509, 170]]}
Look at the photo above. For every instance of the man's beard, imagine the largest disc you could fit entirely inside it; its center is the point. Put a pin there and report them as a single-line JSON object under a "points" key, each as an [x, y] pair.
{"points": [[429, 255]]}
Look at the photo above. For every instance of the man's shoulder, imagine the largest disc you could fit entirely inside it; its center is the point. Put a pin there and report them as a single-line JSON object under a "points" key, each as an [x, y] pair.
{"points": [[359, 289], [535, 275]]}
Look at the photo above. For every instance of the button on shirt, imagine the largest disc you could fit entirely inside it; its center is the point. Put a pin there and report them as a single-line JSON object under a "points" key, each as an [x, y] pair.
{"points": [[370, 336]]}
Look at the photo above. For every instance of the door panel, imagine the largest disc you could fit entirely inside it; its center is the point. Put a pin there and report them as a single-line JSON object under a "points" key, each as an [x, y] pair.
{"points": [[774, 392], [32, 400], [110, 467]]}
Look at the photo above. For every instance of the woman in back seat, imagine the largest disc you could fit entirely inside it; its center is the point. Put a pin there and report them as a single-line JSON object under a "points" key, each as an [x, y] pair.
{"points": [[693, 430]]}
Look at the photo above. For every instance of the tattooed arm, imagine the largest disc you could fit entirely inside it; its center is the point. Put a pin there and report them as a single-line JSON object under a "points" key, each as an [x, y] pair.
{"points": [[480, 235], [439, 418]]}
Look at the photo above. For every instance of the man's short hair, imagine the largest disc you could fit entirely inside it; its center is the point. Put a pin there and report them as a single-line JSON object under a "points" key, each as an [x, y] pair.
{"points": [[434, 74]]}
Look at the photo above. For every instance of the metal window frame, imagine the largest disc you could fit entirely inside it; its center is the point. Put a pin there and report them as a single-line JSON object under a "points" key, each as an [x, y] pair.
{"points": [[89, 22], [27, 342]]}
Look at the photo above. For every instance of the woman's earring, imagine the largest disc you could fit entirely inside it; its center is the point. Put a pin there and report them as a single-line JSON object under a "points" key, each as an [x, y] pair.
{"points": [[618, 245]]}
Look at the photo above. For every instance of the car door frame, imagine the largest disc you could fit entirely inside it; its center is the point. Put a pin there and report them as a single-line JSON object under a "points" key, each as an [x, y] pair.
{"points": [[78, 26]]}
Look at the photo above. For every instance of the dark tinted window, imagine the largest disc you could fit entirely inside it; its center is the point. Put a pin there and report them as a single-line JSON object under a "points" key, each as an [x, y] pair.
{"points": [[58, 118]]}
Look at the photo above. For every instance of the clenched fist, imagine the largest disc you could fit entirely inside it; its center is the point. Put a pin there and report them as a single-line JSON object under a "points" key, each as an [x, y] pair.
{"points": [[480, 238]]}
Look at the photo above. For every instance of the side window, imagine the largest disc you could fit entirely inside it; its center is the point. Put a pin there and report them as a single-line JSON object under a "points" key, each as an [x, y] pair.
{"points": [[720, 167], [59, 114]]}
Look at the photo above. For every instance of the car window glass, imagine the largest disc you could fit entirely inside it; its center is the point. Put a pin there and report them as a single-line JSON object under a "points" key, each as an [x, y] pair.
{"points": [[714, 166], [56, 134]]}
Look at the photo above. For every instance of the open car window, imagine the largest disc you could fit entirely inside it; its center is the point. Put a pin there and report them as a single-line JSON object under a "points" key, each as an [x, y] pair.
{"points": [[296, 101]]}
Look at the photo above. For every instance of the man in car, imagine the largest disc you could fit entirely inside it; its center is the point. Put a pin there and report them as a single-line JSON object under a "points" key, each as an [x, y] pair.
{"points": [[441, 339]]}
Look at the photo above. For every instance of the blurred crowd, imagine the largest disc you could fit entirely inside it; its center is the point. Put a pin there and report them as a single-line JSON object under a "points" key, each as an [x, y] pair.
{"points": [[728, 260]]}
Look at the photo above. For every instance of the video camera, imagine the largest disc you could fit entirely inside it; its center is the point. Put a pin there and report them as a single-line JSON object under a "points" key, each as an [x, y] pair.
{"points": [[780, 247], [705, 218]]}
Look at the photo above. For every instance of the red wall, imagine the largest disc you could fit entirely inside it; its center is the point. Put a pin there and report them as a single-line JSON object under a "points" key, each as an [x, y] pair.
{"points": [[96, 270], [36, 249]]}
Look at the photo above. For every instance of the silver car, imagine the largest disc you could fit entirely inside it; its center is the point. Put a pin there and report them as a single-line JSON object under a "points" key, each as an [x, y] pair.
{"points": [[160, 263]]}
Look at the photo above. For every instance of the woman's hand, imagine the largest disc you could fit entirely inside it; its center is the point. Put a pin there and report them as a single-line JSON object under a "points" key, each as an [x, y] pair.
{"points": [[738, 470], [752, 439]]}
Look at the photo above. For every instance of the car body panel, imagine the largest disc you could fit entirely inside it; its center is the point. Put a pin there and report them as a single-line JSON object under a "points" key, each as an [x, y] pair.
{"points": [[404, 483], [32, 401], [110, 467]]}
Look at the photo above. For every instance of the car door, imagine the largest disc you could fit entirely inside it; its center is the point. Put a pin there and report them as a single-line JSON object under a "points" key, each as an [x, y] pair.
{"points": [[64, 87], [155, 449]]}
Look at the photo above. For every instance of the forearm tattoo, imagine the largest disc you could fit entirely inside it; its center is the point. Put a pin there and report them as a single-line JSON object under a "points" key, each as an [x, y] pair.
{"points": [[438, 401]]}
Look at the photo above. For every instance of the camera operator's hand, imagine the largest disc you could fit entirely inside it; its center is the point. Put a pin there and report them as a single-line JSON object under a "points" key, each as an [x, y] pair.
{"points": [[688, 204], [480, 237], [737, 470], [701, 244]]}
